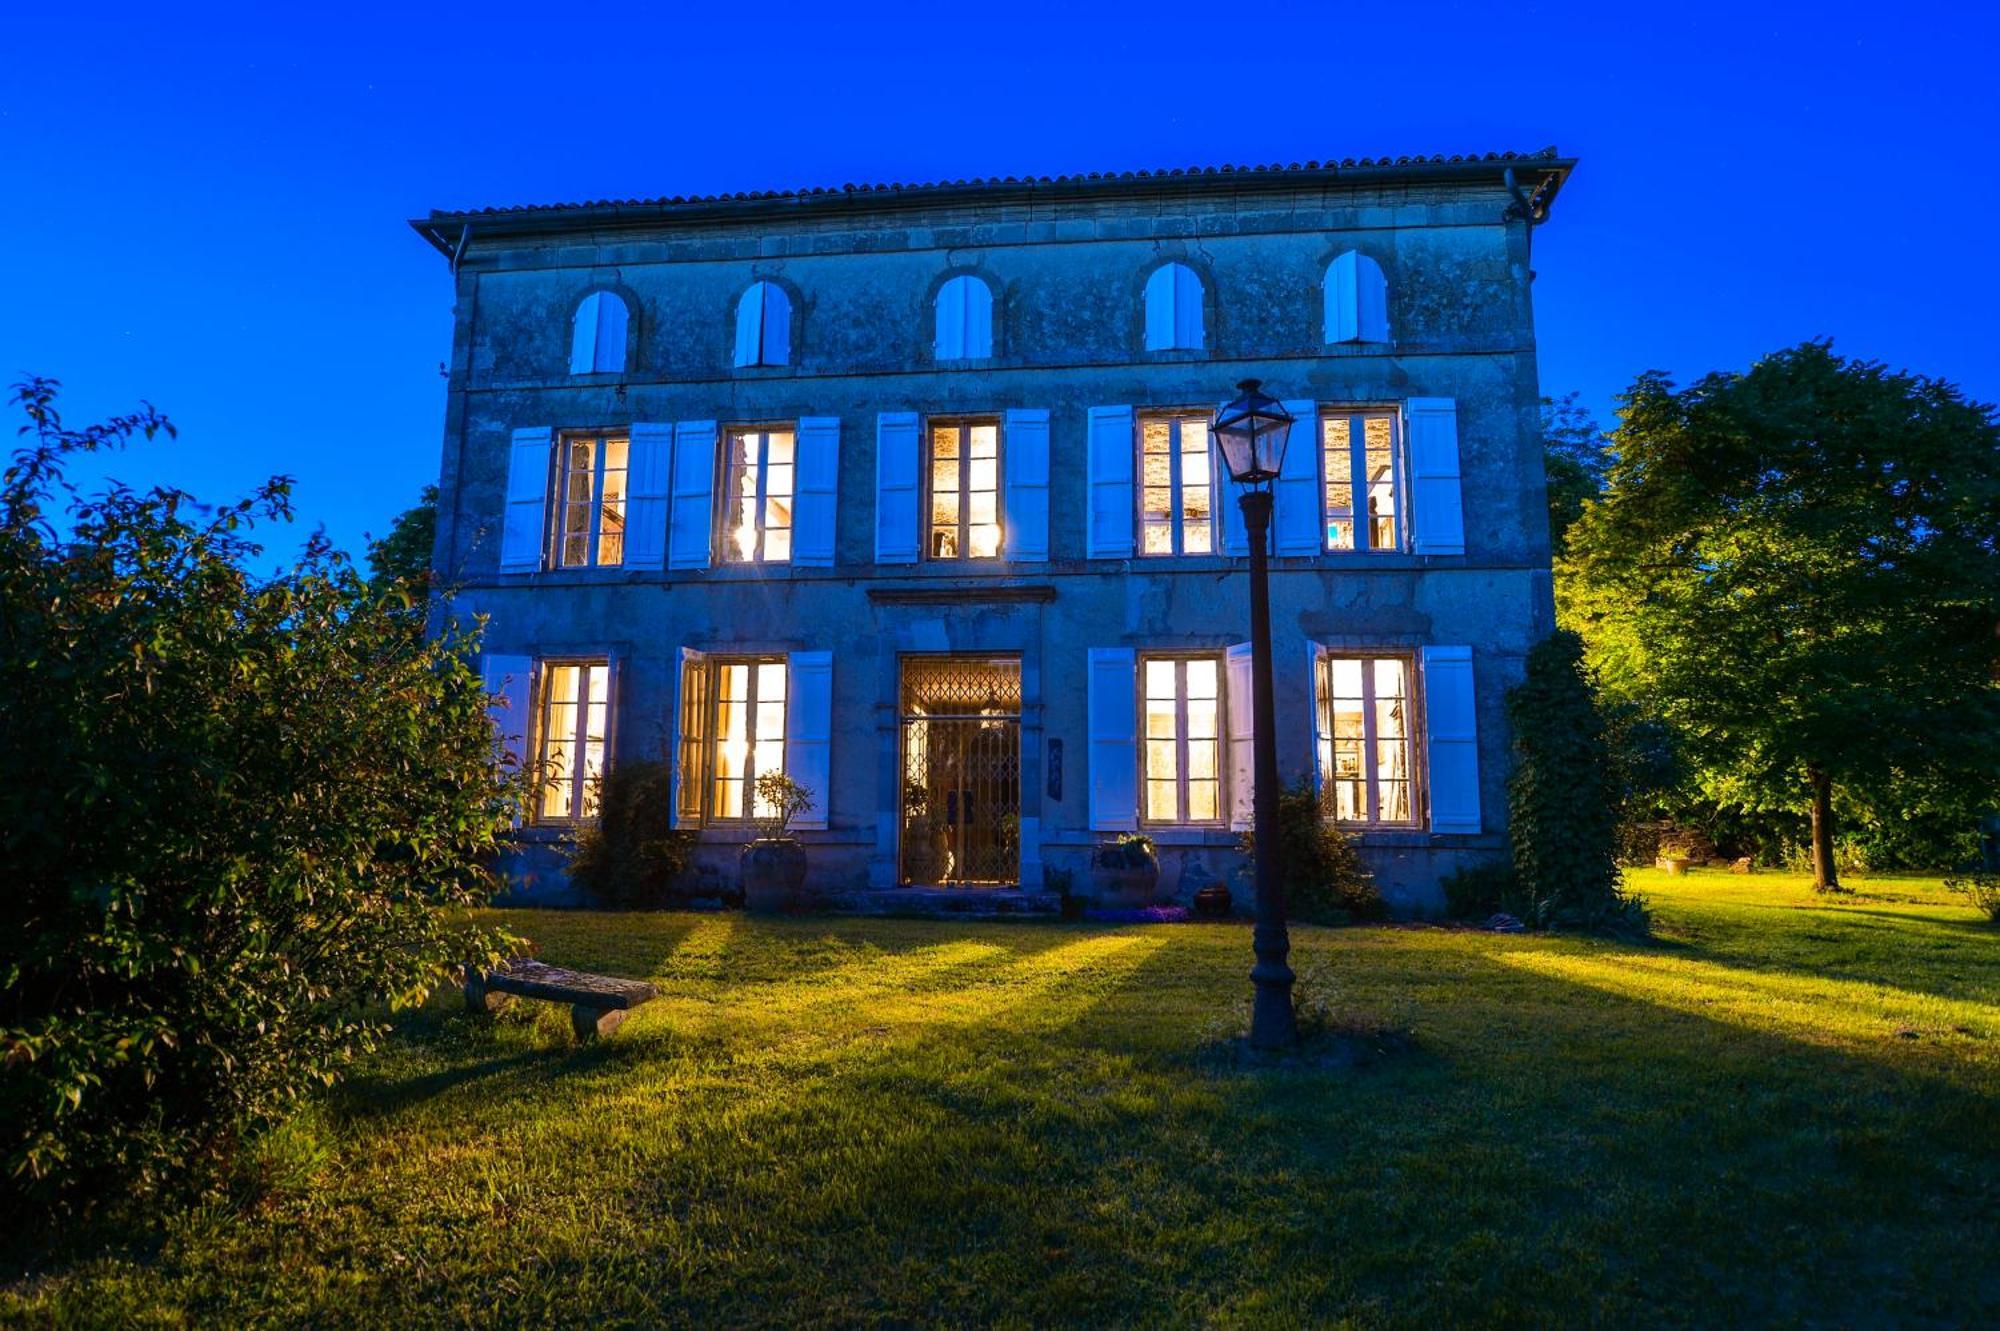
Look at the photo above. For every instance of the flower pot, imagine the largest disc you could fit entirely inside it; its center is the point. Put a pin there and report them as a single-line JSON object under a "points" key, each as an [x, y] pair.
{"points": [[1125, 873], [1677, 865], [923, 857], [774, 874], [1212, 902]]}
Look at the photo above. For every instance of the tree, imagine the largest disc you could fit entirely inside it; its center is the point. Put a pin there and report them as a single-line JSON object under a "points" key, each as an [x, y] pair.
{"points": [[1795, 568], [243, 817], [1575, 457], [403, 557]]}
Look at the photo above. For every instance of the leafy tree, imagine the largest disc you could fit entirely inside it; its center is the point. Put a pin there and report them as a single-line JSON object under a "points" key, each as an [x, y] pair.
{"points": [[241, 815], [1575, 458], [403, 557], [1795, 568]]}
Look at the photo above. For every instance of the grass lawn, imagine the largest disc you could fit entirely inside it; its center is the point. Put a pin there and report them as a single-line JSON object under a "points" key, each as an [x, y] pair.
{"points": [[1786, 1111]]}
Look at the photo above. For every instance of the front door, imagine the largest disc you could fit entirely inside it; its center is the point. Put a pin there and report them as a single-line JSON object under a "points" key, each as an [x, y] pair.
{"points": [[961, 770]]}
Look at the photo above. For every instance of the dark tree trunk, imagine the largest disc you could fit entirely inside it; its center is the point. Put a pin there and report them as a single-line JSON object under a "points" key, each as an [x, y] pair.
{"points": [[1826, 878]]}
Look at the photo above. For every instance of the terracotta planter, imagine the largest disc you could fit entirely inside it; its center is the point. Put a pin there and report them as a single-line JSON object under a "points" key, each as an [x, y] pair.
{"points": [[1124, 874], [774, 874], [1213, 902], [1677, 865]]}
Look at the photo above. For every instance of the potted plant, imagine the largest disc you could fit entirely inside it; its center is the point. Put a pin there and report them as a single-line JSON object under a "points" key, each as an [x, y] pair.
{"points": [[774, 863], [1125, 872], [1675, 857], [923, 855]]}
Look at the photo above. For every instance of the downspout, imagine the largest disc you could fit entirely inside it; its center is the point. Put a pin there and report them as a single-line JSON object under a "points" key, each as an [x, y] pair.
{"points": [[465, 235]]}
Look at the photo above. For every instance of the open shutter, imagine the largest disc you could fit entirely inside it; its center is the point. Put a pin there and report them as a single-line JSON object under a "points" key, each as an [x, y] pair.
{"points": [[690, 738], [814, 496], [1343, 323], [650, 487], [1188, 330], [1295, 496], [777, 344], [809, 731], [1242, 733], [749, 326], [1371, 300], [529, 462], [1452, 735], [694, 494], [611, 318], [1025, 453], [508, 681], [950, 343], [1112, 517], [896, 453], [1114, 752], [978, 335], [583, 334], [1437, 513], [1160, 309]]}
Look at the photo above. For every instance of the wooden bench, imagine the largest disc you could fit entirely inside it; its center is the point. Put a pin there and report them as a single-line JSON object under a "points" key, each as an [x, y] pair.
{"points": [[598, 1003]]}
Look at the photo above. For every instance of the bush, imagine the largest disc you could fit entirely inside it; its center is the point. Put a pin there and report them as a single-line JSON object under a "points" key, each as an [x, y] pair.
{"points": [[242, 815], [1563, 798], [1980, 888], [1480, 891], [632, 856], [1324, 879]]}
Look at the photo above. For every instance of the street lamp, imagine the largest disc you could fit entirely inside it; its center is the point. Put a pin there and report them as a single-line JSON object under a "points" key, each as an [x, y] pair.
{"points": [[1252, 432]]}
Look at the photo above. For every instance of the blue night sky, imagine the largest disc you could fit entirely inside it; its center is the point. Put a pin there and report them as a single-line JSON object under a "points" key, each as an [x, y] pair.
{"points": [[208, 209]]}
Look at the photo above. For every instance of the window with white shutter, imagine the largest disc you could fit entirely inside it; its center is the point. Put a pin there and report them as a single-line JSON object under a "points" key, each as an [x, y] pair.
{"points": [[898, 446], [524, 524], [1174, 317], [572, 727], [1451, 737], [1437, 508], [964, 311], [1111, 712], [598, 334], [809, 732], [1364, 737], [763, 326], [761, 465], [690, 522], [1109, 464], [1356, 298], [1024, 532], [1177, 484], [1361, 466]]}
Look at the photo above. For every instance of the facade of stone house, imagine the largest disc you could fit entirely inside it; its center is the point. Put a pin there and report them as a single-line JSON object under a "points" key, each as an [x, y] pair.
{"points": [[908, 492]]}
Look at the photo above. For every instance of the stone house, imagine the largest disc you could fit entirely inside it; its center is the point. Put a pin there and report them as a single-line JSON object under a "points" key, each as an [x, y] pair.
{"points": [[908, 491]]}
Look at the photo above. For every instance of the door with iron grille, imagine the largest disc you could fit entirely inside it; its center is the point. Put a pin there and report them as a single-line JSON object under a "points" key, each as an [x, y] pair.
{"points": [[961, 770]]}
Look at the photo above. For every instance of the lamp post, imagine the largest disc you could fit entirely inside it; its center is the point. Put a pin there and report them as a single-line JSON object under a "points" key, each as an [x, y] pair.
{"points": [[1252, 432]]}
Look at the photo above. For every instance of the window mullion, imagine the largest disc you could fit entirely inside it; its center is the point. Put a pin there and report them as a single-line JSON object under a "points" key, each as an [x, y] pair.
{"points": [[964, 486], [1371, 795], [763, 470], [1357, 489], [1177, 538]]}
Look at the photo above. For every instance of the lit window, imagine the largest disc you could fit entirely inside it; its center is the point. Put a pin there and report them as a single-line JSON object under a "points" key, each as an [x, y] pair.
{"points": [[576, 698], [763, 326], [1176, 487], [1173, 309], [964, 319], [593, 501], [965, 490], [1359, 452], [758, 506], [1183, 707], [749, 735], [1364, 737], [597, 334]]}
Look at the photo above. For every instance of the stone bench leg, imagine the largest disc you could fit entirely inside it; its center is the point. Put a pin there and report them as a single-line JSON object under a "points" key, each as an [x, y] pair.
{"points": [[589, 1023], [478, 998]]}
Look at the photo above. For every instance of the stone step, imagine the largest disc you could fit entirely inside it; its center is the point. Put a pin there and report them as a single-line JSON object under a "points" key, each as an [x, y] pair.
{"points": [[952, 903]]}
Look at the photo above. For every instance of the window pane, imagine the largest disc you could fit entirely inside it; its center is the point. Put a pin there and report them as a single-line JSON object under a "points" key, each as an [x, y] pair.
{"points": [[1162, 760], [985, 474], [1161, 722], [1202, 675], [1201, 718], [984, 509], [1203, 799], [1161, 797], [985, 441], [780, 449], [985, 542], [1379, 461], [771, 681], [1201, 759], [778, 545], [1160, 679], [1338, 467], [579, 487], [944, 441]]}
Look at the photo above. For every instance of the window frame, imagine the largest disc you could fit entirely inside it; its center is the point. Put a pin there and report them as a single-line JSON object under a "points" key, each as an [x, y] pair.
{"points": [[1322, 701], [712, 667], [582, 810], [964, 425], [1180, 660], [723, 527], [559, 524], [1357, 415], [1176, 527]]}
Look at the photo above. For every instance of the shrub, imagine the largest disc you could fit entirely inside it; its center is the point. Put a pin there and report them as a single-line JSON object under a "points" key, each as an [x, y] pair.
{"points": [[1324, 878], [1563, 797], [1479, 891], [1980, 888], [632, 856], [243, 814]]}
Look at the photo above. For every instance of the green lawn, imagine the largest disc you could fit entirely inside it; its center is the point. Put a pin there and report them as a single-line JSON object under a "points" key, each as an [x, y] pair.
{"points": [[1786, 1111]]}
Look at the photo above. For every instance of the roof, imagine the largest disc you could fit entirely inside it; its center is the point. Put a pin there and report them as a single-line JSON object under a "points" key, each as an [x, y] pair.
{"points": [[1544, 171]]}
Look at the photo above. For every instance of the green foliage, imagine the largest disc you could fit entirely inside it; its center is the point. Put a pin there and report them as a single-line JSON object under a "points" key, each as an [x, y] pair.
{"points": [[241, 814], [1575, 457], [1324, 876], [1480, 890], [1795, 570], [1981, 890], [779, 800], [1563, 797], [403, 557], [631, 856]]}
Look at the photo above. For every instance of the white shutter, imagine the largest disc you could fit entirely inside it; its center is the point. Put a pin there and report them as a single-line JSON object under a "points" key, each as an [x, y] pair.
{"points": [[950, 343], [809, 731], [1112, 518], [1235, 535], [583, 334], [1343, 310], [690, 718], [694, 495], [611, 317], [1188, 330], [814, 498], [777, 345], [1160, 308], [1371, 299], [896, 456], [508, 681], [1114, 752], [1295, 495], [1437, 513], [749, 325], [650, 486], [1024, 449], [529, 462], [1452, 737], [1319, 680], [978, 319], [1242, 733]]}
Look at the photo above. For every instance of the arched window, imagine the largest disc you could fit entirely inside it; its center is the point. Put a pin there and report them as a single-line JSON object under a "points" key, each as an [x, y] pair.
{"points": [[1173, 309], [964, 319], [597, 334], [1357, 300], [764, 326]]}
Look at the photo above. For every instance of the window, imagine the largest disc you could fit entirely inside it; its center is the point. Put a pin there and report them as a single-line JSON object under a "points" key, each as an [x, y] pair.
{"points": [[964, 319], [763, 326], [758, 504], [1356, 300], [597, 334], [576, 702], [964, 476], [1364, 737], [1359, 456], [1183, 708], [1176, 486], [1173, 309], [749, 731], [593, 501]]}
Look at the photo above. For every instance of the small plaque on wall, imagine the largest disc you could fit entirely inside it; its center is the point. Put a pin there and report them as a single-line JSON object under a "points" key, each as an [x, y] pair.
{"points": [[1055, 769]]}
